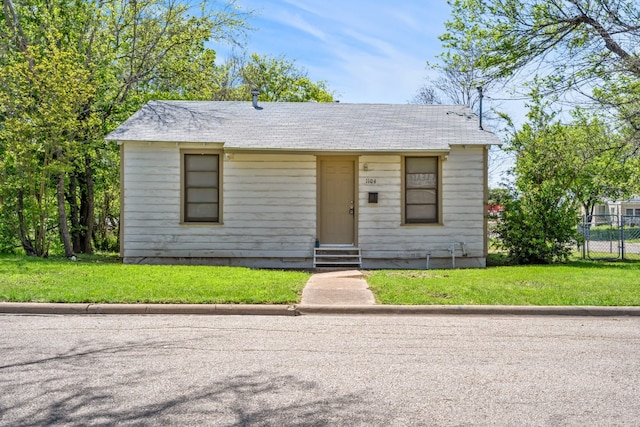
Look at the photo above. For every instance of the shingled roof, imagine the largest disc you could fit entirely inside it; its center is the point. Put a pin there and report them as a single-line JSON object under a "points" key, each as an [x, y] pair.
{"points": [[306, 126]]}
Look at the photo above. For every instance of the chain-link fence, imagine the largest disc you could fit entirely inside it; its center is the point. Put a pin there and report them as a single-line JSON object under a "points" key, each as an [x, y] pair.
{"points": [[611, 236]]}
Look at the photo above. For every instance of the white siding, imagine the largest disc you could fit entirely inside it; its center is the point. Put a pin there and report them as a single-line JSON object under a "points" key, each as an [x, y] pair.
{"points": [[268, 206], [381, 232]]}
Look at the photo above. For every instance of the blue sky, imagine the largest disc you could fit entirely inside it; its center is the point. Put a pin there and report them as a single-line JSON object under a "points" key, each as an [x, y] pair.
{"points": [[367, 50]]}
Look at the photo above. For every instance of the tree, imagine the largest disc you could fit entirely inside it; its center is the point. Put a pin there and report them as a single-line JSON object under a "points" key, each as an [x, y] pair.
{"points": [[584, 158], [458, 79], [280, 80], [73, 71], [497, 196], [574, 37], [122, 53], [587, 47], [461, 82], [277, 78], [559, 168], [579, 51], [45, 91]]}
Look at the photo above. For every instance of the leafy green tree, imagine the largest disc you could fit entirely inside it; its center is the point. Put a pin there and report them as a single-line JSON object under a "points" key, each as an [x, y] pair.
{"points": [[498, 195], [277, 78], [586, 47], [45, 92], [575, 38], [579, 51], [72, 72], [280, 80], [585, 158], [559, 168]]}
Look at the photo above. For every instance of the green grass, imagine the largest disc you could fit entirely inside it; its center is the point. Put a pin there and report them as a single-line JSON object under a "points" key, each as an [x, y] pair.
{"points": [[577, 283], [104, 279]]}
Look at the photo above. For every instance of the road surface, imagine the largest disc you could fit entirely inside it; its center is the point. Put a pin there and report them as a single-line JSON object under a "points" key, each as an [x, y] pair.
{"points": [[318, 370]]}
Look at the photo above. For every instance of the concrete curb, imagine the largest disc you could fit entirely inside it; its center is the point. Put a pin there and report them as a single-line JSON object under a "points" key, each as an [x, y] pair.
{"points": [[315, 309], [200, 309], [430, 310]]}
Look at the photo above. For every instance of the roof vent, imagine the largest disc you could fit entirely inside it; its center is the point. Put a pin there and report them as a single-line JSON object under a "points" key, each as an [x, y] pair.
{"points": [[254, 97]]}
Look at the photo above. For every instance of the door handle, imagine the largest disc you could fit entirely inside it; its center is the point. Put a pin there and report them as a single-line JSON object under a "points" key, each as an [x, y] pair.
{"points": [[351, 209]]}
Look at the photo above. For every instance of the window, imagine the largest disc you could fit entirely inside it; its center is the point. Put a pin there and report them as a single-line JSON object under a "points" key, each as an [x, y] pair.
{"points": [[201, 188], [421, 190]]}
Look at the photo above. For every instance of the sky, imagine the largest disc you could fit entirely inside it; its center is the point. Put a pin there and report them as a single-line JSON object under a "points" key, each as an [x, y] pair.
{"points": [[368, 51]]}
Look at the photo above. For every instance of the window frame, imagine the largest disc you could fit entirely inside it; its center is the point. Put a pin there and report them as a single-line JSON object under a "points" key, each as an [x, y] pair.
{"points": [[183, 186], [438, 189]]}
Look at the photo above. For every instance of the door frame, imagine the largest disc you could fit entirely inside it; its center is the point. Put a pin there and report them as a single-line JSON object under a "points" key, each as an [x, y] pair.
{"points": [[356, 188]]}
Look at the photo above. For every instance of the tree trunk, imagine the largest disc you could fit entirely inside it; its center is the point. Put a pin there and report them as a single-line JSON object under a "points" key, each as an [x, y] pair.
{"points": [[62, 215], [74, 212], [27, 245], [87, 208]]}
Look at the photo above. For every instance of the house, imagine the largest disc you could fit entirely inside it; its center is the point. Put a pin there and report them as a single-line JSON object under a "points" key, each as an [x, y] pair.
{"points": [[620, 211], [629, 207], [298, 185]]}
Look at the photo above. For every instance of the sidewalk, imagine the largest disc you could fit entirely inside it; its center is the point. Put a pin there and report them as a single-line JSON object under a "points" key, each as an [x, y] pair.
{"points": [[338, 288], [341, 292]]}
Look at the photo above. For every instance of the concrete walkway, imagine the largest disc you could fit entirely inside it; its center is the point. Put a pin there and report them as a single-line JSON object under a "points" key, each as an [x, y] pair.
{"points": [[343, 288]]}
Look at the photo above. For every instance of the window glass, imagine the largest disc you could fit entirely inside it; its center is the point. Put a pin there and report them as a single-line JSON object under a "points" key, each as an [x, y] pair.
{"points": [[201, 188], [421, 189]]}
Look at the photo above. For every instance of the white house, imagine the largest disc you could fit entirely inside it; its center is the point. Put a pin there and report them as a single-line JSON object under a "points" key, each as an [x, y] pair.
{"points": [[622, 211], [298, 185], [629, 207]]}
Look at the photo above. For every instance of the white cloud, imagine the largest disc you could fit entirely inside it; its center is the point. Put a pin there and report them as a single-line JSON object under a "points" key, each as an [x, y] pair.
{"points": [[296, 21], [366, 50], [374, 43]]}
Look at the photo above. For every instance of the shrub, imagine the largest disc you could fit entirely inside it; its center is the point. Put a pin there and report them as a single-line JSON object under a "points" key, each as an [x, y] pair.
{"points": [[538, 227]]}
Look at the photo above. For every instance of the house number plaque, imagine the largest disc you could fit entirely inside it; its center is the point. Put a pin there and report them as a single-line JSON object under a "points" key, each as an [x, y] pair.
{"points": [[370, 181]]}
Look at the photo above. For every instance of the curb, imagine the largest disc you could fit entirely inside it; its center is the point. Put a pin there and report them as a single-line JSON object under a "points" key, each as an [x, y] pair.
{"points": [[313, 309], [505, 310], [199, 309]]}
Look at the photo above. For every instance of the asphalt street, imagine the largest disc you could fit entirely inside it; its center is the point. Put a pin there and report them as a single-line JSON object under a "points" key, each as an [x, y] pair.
{"points": [[150, 370]]}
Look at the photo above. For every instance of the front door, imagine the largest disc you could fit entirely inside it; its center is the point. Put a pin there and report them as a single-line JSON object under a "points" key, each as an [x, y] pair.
{"points": [[336, 201]]}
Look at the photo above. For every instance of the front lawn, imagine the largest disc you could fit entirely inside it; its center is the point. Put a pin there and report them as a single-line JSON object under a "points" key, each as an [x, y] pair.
{"points": [[576, 283], [103, 279]]}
